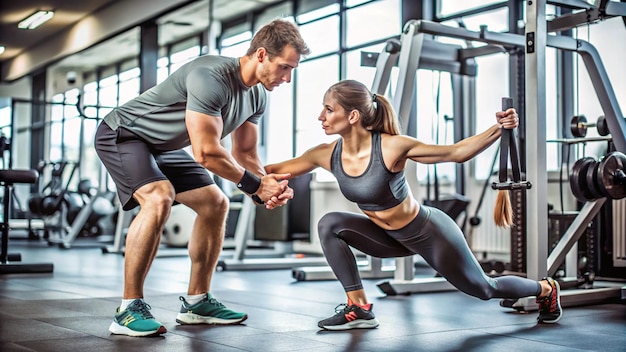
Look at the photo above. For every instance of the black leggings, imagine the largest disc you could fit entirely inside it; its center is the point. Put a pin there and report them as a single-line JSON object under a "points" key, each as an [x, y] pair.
{"points": [[432, 234]]}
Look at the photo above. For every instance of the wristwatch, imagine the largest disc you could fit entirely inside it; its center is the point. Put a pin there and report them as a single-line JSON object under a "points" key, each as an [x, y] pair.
{"points": [[257, 199]]}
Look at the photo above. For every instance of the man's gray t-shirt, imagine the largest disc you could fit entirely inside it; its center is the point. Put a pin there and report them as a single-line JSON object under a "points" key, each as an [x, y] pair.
{"points": [[209, 84]]}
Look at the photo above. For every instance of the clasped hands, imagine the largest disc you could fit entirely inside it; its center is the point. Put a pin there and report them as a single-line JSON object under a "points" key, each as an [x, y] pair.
{"points": [[275, 190]]}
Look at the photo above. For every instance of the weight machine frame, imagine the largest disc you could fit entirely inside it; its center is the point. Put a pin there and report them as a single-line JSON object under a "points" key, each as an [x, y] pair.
{"points": [[534, 41]]}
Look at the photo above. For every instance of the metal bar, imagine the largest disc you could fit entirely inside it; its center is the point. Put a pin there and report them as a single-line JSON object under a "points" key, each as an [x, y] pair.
{"points": [[473, 11], [472, 53], [498, 38], [573, 233], [245, 223], [606, 95], [410, 54], [572, 4], [435, 56], [385, 62], [606, 10], [537, 207]]}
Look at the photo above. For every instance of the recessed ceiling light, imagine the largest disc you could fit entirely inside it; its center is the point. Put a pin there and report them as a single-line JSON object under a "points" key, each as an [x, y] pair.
{"points": [[2, 48], [36, 19]]}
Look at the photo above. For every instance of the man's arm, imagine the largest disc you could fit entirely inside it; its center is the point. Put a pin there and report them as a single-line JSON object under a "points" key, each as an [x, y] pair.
{"points": [[245, 147], [204, 133]]}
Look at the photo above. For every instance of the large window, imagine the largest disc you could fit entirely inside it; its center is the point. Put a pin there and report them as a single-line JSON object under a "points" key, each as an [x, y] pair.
{"points": [[338, 33], [332, 58], [105, 89]]}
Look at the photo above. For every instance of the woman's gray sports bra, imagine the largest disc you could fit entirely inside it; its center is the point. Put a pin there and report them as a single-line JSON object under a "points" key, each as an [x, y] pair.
{"points": [[376, 188]]}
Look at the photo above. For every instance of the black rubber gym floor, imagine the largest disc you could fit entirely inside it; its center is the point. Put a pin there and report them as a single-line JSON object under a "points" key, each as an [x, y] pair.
{"points": [[71, 309]]}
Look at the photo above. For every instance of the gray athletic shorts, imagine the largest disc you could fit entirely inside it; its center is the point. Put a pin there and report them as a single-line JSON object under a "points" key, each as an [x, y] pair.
{"points": [[132, 164]]}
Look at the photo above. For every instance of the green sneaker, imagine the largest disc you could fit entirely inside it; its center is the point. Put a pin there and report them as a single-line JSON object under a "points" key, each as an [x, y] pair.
{"points": [[136, 320], [208, 311]]}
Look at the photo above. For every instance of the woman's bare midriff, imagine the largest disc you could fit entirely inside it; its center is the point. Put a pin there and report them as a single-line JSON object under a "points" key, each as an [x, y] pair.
{"points": [[397, 217]]}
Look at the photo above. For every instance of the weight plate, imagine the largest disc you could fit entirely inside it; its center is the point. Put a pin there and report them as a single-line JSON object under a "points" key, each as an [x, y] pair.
{"points": [[578, 179], [610, 175], [578, 126], [602, 127], [592, 182]]}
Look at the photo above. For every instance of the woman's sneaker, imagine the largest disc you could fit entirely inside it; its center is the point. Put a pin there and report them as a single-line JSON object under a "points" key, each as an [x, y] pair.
{"points": [[208, 311], [350, 316], [550, 306], [136, 320]]}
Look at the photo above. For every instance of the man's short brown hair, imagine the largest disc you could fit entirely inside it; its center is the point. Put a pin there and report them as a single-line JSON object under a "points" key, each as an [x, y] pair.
{"points": [[275, 36]]}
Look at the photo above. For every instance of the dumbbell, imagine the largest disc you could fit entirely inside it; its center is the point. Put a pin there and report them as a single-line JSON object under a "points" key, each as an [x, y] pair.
{"points": [[579, 126], [591, 180]]}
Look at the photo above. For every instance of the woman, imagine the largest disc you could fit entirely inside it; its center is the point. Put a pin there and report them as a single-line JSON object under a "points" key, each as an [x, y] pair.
{"points": [[368, 161]]}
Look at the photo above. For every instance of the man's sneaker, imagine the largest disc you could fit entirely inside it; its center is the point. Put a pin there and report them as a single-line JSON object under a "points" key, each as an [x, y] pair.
{"points": [[208, 311], [550, 306], [350, 316], [136, 320]]}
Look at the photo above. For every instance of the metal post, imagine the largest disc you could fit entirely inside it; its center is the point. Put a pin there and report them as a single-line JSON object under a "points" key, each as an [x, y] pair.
{"points": [[537, 207]]}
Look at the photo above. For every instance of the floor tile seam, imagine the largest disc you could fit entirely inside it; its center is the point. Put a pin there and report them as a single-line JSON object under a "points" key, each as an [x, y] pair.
{"points": [[527, 339], [266, 333], [66, 338], [26, 349]]}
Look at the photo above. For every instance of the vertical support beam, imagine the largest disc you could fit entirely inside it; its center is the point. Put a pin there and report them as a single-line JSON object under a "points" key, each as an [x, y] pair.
{"points": [[148, 55], [536, 172], [458, 91], [408, 62], [516, 76], [38, 118], [417, 10]]}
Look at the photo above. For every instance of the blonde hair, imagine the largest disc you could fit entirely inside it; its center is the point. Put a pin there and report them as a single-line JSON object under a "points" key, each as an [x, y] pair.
{"points": [[377, 113], [503, 210]]}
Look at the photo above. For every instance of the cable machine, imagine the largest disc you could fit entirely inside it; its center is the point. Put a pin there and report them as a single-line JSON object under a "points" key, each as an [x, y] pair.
{"points": [[534, 43]]}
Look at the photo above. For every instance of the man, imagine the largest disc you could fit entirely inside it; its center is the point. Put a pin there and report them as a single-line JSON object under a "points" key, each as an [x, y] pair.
{"points": [[140, 143]]}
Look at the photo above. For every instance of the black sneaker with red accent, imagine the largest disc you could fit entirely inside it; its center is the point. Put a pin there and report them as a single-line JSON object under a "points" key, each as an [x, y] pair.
{"points": [[350, 316], [550, 306]]}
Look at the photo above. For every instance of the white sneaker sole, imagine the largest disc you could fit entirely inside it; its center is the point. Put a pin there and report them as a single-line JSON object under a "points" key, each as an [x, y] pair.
{"points": [[118, 329], [191, 318], [357, 324]]}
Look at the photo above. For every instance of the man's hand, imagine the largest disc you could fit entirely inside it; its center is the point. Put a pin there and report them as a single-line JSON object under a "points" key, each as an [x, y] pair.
{"points": [[275, 185], [281, 199]]}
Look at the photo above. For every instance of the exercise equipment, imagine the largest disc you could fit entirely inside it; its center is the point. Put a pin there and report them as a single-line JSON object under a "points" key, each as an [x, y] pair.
{"points": [[579, 126], [7, 179], [280, 226], [414, 40], [95, 215], [508, 147], [578, 179], [50, 203], [177, 229], [418, 51], [89, 211], [590, 179]]}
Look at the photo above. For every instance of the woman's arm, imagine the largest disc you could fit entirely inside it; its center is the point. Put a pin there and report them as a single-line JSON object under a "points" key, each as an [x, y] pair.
{"points": [[313, 158], [459, 152]]}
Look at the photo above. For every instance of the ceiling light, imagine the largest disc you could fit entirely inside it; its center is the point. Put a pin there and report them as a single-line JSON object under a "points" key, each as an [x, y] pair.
{"points": [[2, 48], [36, 19]]}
